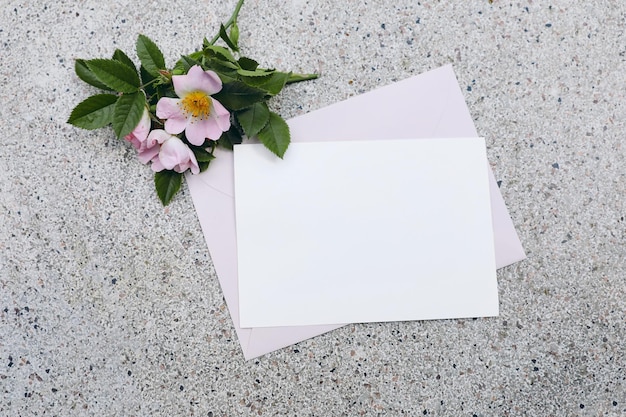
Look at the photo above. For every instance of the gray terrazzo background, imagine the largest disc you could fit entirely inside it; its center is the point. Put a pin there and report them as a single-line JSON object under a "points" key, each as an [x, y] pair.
{"points": [[109, 304]]}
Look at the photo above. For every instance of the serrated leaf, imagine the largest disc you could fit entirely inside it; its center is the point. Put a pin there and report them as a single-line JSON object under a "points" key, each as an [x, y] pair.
{"points": [[224, 67], [196, 55], [247, 63], [225, 76], [94, 112], [229, 138], [201, 154], [203, 166], [127, 113], [255, 73], [184, 64], [146, 77], [150, 88], [150, 55], [275, 135], [237, 95], [84, 73], [272, 85], [167, 184], [203, 157], [227, 39], [253, 119], [115, 74], [215, 51], [187, 61], [120, 56]]}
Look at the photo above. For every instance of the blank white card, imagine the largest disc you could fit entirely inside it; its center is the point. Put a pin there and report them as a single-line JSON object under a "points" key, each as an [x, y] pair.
{"points": [[364, 231]]}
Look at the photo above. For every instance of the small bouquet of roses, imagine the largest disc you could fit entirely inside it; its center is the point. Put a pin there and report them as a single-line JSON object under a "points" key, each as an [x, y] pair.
{"points": [[176, 117]]}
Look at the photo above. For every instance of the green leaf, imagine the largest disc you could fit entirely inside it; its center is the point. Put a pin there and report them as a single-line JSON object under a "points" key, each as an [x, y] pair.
{"points": [[213, 61], [150, 87], [115, 74], [219, 65], [203, 157], [150, 55], [94, 112], [275, 135], [296, 78], [84, 73], [201, 154], [214, 51], [247, 63], [203, 166], [167, 184], [227, 39], [127, 113], [254, 118], [237, 95], [272, 85], [255, 73], [185, 63], [196, 55], [229, 138], [120, 56], [227, 76]]}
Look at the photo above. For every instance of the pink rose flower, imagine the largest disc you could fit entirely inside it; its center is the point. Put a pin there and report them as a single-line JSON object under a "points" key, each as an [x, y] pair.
{"points": [[173, 154], [195, 111], [140, 133], [146, 148]]}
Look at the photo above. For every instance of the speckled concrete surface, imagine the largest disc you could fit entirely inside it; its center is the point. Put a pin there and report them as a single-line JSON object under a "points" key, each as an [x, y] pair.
{"points": [[109, 304]]}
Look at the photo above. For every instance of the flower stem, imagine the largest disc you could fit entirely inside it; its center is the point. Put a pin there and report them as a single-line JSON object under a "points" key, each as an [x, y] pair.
{"points": [[229, 23], [148, 83], [296, 78]]}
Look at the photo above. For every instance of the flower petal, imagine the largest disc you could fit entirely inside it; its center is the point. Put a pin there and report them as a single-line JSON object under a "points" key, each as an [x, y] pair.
{"points": [[195, 169], [221, 115], [168, 107], [177, 156], [173, 152], [148, 154], [143, 128], [140, 132], [157, 136], [157, 166], [197, 79], [175, 126], [201, 129]]}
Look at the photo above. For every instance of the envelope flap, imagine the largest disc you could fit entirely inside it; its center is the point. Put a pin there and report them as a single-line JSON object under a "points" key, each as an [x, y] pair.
{"points": [[219, 176], [422, 106]]}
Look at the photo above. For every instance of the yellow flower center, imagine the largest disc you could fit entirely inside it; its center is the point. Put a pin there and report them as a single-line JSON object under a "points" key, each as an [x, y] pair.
{"points": [[197, 103]]}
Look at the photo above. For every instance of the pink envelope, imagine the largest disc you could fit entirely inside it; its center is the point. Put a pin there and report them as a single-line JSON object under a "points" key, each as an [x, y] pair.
{"points": [[430, 105]]}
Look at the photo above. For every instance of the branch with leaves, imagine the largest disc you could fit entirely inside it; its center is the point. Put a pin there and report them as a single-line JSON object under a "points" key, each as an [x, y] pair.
{"points": [[175, 118]]}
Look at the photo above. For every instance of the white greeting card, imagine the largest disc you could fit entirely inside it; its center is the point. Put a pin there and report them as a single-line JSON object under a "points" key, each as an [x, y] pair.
{"points": [[364, 231]]}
